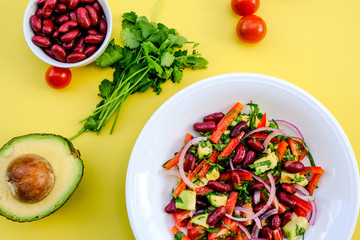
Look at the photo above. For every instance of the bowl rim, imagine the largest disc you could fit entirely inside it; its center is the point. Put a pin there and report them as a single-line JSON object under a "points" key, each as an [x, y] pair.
{"points": [[262, 77], [45, 58]]}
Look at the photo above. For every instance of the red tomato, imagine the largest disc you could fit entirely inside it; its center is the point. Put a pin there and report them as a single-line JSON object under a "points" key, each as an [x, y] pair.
{"points": [[58, 77], [245, 7], [297, 148], [251, 29]]}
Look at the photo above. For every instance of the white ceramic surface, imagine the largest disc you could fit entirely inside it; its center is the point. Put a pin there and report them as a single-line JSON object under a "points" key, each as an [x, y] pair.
{"points": [[148, 191], [29, 33]]}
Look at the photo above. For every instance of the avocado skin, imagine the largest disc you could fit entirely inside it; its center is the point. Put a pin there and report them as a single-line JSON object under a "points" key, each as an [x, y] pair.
{"points": [[73, 151]]}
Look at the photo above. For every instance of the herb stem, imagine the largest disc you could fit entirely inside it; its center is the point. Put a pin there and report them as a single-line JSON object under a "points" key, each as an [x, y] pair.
{"points": [[157, 10]]}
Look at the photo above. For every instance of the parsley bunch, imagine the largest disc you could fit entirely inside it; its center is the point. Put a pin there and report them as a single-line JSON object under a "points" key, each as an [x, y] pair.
{"points": [[151, 55]]}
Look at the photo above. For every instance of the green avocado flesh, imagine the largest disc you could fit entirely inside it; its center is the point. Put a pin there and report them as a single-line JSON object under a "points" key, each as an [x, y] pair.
{"points": [[66, 173]]}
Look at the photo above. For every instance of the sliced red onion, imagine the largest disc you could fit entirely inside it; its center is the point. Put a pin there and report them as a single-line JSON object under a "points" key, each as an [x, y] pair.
{"points": [[304, 197], [257, 195], [301, 189], [262, 129], [269, 137], [193, 141], [244, 229], [314, 213], [231, 164], [267, 205], [290, 125], [248, 211], [171, 172], [257, 178], [191, 213]]}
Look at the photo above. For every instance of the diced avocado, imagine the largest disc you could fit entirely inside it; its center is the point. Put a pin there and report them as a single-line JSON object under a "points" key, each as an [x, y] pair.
{"points": [[205, 149], [296, 227], [186, 200], [265, 163], [217, 200], [213, 174], [293, 178], [201, 220], [200, 182]]}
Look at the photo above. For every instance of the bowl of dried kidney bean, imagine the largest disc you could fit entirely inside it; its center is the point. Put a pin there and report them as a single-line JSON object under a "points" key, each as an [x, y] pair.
{"points": [[67, 33]]}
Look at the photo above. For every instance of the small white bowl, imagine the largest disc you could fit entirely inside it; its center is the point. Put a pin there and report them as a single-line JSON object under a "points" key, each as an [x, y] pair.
{"points": [[29, 33]]}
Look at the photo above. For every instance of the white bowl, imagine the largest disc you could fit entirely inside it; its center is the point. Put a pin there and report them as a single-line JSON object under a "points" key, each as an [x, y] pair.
{"points": [[29, 33], [148, 191]]}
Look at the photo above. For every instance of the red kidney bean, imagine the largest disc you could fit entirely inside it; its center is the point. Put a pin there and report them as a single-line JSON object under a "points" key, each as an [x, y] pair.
{"points": [[256, 186], [294, 167], [75, 57], [90, 50], [94, 39], [92, 32], [216, 215], [216, 117], [41, 41], [235, 179], [103, 27], [285, 199], [73, 4], [73, 16], [258, 207], [48, 8], [83, 18], [66, 26], [249, 158], [93, 15], [288, 188], [38, 13], [40, 2], [68, 45], [171, 207], [35, 23], [200, 204], [255, 144], [98, 7], [237, 129], [286, 217], [49, 53], [80, 45], [240, 153], [60, 8], [217, 186], [87, 1], [203, 126], [61, 19], [64, 1], [55, 34], [59, 52], [266, 232], [48, 27], [275, 222], [190, 160], [70, 36]]}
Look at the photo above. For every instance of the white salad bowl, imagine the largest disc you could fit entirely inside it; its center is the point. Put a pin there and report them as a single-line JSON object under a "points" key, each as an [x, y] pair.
{"points": [[148, 190]]}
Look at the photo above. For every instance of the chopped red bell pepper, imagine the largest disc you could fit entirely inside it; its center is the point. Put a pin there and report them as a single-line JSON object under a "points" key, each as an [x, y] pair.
{"points": [[262, 135], [313, 183], [314, 170], [180, 216], [262, 122], [231, 145], [297, 148], [203, 190], [282, 149], [306, 206], [207, 166], [175, 160]]}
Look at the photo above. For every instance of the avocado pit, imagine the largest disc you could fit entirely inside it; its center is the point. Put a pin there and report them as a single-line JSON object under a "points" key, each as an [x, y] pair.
{"points": [[30, 178]]}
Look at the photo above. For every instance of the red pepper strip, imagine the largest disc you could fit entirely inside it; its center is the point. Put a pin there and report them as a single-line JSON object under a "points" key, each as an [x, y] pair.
{"points": [[277, 234], [207, 166], [220, 232], [281, 150], [175, 230], [180, 216], [313, 183], [261, 135], [246, 176], [240, 235], [225, 122], [231, 145], [299, 211], [262, 122], [175, 160], [182, 185], [282, 207], [302, 203], [297, 148], [230, 205], [314, 170], [203, 190]]}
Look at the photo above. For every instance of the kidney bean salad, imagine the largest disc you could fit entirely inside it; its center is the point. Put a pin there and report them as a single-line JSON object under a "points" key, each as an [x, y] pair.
{"points": [[243, 178]]}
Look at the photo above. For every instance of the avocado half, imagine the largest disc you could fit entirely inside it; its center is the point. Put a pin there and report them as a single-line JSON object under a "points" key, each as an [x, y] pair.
{"points": [[38, 174]]}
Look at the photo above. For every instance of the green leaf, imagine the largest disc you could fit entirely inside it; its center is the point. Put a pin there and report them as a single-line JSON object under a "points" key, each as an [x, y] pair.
{"points": [[146, 28], [154, 65], [177, 74], [200, 63], [167, 59], [130, 16], [131, 37], [105, 89], [149, 47], [112, 54], [179, 235], [90, 124]]}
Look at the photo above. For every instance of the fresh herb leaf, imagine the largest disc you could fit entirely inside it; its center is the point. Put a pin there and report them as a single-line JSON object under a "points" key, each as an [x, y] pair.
{"points": [[300, 231], [179, 235]]}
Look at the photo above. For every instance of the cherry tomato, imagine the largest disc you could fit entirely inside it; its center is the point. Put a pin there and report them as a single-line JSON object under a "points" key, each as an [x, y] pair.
{"points": [[251, 29], [58, 77], [245, 7]]}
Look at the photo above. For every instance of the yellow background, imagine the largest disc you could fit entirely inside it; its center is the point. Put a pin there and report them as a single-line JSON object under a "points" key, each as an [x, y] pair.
{"points": [[312, 44]]}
